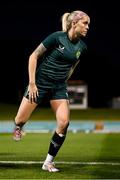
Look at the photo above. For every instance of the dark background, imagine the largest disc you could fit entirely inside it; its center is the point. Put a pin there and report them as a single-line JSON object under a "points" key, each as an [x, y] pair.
{"points": [[23, 24]]}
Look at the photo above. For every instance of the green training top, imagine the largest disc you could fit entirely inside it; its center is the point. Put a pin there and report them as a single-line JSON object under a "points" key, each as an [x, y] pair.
{"points": [[61, 57]]}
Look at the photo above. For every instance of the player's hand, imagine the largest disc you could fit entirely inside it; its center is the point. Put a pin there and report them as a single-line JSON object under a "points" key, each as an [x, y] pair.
{"points": [[33, 92]]}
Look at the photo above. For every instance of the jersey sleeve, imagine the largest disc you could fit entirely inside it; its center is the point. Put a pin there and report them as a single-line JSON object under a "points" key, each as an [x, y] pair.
{"points": [[50, 41]]}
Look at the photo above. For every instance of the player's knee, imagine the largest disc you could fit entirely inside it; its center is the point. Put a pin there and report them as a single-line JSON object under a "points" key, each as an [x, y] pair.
{"points": [[63, 123]]}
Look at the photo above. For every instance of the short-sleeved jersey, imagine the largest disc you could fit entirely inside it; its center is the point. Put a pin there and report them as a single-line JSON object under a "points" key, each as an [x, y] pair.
{"points": [[61, 57]]}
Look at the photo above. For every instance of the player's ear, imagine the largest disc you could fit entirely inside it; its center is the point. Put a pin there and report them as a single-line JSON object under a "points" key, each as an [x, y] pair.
{"points": [[74, 23]]}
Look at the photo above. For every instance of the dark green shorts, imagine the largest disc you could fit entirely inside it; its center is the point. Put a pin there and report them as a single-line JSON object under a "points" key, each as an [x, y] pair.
{"points": [[56, 91]]}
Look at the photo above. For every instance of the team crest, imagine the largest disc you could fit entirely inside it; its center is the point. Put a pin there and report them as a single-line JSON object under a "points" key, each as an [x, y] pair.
{"points": [[78, 54]]}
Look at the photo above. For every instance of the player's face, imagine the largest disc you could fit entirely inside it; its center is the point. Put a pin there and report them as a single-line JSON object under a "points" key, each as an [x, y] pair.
{"points": [[82, 26]]}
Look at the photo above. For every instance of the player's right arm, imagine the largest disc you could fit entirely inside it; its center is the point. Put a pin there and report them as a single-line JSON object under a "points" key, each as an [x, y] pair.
{"points": [[46, 44], [32, 88]]}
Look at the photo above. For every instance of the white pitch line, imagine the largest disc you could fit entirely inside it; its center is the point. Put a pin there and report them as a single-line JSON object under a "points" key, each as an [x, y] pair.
{"points": [[62, 162]]}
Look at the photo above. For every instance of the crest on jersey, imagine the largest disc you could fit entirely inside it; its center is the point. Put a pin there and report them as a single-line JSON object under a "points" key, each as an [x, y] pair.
{"points": [[78, 54]]}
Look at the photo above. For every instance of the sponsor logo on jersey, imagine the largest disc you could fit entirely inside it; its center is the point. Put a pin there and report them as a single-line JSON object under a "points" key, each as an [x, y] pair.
{"points": [[61, 48]]}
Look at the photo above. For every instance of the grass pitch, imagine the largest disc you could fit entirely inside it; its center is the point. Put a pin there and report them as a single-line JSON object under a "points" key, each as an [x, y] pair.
{"points": [[83, 156]]}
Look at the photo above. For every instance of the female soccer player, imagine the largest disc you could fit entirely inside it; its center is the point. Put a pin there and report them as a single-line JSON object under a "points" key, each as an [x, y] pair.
{"points": [[59, 54]]}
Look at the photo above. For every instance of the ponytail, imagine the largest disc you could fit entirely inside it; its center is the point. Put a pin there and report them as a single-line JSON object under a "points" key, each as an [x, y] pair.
{"points": [[64, 22]]}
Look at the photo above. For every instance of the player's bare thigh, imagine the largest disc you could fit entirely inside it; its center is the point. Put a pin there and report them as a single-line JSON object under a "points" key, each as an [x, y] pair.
{"points": [[60, 103]]}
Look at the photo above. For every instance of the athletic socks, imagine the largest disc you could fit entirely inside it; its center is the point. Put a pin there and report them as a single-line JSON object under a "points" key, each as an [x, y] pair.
{"points": [[20, 125], [49, 159], [55, 144]]}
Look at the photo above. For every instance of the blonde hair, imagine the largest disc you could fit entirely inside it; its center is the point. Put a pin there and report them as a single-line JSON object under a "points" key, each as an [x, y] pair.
{"points": [[64, 21], [68, 18]]}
